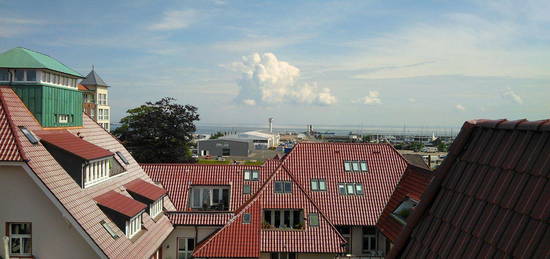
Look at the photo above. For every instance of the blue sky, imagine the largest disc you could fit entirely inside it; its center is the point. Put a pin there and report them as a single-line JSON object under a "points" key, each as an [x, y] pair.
{"points": [[423, 63]]}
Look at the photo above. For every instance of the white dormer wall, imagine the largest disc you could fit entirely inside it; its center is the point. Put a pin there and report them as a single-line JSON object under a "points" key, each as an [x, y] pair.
{"points": [[57, 79]]}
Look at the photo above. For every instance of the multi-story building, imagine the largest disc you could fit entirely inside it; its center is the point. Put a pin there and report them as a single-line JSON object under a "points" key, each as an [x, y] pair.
{"points": [[68, 189], [96, 99]]}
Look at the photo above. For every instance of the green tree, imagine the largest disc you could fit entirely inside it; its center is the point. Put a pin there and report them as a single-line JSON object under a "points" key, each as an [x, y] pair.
{"points": [[416, 146], [159, 132], [367, 138], [217, 135], [442, 147]]}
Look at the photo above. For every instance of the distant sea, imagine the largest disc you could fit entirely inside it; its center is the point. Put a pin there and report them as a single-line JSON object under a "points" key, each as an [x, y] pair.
{"points": [[336, 130]]}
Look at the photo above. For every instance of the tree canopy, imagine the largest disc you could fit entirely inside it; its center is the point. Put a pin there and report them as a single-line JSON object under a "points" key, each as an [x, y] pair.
{"points": [[159, 132]]}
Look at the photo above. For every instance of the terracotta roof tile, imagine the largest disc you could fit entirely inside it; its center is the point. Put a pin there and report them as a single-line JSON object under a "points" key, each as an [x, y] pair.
{"points": [[9, 150], [145, 189], [496, 179], [73, 144], [120, 203]]}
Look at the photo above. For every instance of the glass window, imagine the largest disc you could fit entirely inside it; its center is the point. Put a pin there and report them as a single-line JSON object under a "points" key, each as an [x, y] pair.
{"points": [[278, 186], [350, 189], [185, 248], [31, 75], [313, 219], [355, 166], [359, 189], [342, 189], [347, 166], [214, 198], [30, 136], [314, 184], [4, 75], [369, 239], [404, 209], [246, 175], [322, 185], [109, 230], [364, 167], [246, 218], [19, 75], [246, 189], [283, 218], [20, 239], [255, 175], [288, 187], [122, 157]]}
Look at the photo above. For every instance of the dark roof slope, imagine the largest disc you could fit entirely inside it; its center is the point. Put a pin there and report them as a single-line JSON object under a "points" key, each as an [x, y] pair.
{"points": [[490, 197], [93, 79], [416, 159], [412, 185]]}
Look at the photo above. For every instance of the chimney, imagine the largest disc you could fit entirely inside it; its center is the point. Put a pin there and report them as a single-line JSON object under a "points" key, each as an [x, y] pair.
{"points": [[270, 120]]}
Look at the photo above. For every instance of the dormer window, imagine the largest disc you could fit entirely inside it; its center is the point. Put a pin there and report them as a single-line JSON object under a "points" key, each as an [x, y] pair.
{"points": [[133, 226], [404, 210], [209, 198], [63, 118], [125, 212], [147, 193]]}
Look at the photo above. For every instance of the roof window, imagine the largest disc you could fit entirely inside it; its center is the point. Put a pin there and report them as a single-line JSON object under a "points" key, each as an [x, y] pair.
{"points": [[313, 219], [246, 218], [109, 229], [318, 185], [246, 189], [356, 166], [251, 175], [283, 186], [30, 136], [404, 210], [122, 157], [350, 189]]}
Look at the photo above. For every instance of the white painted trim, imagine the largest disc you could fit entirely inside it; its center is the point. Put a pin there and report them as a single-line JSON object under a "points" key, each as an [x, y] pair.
{"points": [[59, 206]]}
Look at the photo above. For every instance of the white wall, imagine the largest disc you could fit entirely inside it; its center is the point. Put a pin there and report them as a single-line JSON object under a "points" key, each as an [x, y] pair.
{"points": [[170, 246], [21, 200]]}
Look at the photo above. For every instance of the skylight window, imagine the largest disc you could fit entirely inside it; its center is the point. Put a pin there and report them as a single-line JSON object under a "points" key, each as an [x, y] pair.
{"points": [[110, 230], [356, 166], [350, 189], [364, 166], [359, 189], [404, 210], [251, 175], [283, 186], [347, 166], [246, 218], [318, 185], [30, 136], [313, 219], [246, 189], [122, 157], [342, 189]]}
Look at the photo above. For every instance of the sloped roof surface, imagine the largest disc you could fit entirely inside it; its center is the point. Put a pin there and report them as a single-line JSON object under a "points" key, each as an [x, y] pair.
{"points": [[82, 88], [178, 178], [73, 144], [93, 79], [120, 203], [251, 239], [416, 159], [9, 151], [25, 58], [490, 198], [77, 201], [412, 185], [145, 189], [326, 161]]}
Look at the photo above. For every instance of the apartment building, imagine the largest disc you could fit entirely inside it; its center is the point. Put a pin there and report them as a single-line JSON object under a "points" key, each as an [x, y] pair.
{"points": [[96, 99]]}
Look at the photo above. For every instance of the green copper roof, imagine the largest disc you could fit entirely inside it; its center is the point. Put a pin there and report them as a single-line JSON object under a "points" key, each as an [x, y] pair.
{"points": [[26, 58]]}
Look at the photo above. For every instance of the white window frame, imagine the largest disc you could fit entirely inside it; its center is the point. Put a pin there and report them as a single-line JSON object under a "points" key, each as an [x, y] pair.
{"points": [[21, 237], [133, 226], [63, 118], [186, 252], [370, 237], [210, 189], [96, 171], [292, 220], [155, 208]]}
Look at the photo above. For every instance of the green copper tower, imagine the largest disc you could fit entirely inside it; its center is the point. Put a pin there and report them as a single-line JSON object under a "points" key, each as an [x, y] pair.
{"points": [[47, 87]]}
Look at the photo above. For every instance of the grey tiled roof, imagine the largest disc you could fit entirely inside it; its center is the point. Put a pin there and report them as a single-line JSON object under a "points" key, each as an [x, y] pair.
{"points": [[93, 79]]}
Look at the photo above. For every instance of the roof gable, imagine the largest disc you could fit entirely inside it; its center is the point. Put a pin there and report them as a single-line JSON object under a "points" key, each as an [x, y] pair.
{"points": [[145, 189], [9, 149], [120, 203], [25, 58], [489, 198]]}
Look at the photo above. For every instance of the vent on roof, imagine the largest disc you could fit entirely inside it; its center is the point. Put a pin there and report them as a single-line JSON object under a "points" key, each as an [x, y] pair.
{"points": [[30, 136]]}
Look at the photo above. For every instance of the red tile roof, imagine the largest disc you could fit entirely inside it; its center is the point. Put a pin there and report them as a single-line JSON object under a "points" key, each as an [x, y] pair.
{"points": [[79, 202], [83, 88], [248, 240], [73, 144], [326, 161], [120, 203], [145, 189], [9, 150], [412, 185], [489, 198]]}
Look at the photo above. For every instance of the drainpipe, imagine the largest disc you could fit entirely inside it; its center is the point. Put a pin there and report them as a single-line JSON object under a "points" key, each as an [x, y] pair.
{"points": [[196, 236], [6, 247]]}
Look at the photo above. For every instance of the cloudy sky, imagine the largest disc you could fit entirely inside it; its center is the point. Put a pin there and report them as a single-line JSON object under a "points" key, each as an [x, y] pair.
{"points": [[424, 63]]}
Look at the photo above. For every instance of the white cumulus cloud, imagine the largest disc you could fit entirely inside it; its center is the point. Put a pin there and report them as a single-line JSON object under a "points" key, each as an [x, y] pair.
{"points": [[266, 79], [173, 20], [372, 98], [513, 96], [460, 107]]}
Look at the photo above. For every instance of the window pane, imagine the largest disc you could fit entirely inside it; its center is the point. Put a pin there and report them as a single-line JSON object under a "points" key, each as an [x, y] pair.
{"points": [[246, 189], [347, 166], [190, 244], [355, 166], [31, 75], [359, 188], [314, 219], [19, 75], [196, 198], [286, 218], [288, 187], [342, 189], [247, 175], [277, 216], [181, 244], [15, 245], [215, 195], [246, 218], [27, 245], [350, 188], [297, 216], [278, 187], [225, 199], [255, 175], [314, 185], [4, 75], [206, 197], [322, 185], [267, 216], [364, 167]]}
